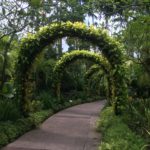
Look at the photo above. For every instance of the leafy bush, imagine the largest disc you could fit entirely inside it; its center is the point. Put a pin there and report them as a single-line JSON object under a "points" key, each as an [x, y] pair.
{"points": [[49, 102], [140, 109], [23, 125], [39, 116], [8, 90], [11, 130], [4, 138], [8, 110], [36, 105], [116, 134]]}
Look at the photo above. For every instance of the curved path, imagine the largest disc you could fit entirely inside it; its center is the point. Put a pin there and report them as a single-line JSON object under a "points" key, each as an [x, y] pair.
{"points": [[70, 129]]}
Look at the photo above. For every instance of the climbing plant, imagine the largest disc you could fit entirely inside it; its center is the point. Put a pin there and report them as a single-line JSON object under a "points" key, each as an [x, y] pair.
{"points": [[68, 58], [34, 44], [93, 77], [92, 70], [110, 84]]}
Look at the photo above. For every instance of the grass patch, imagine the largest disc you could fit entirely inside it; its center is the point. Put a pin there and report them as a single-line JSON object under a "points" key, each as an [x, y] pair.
{"points": [[116, 135]]}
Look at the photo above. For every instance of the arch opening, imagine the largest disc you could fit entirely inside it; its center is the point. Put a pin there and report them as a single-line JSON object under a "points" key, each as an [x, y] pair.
{"points": [[34, 44], [68, 58]]}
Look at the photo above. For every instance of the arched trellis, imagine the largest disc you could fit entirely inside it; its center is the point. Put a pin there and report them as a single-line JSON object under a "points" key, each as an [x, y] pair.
{"points": [[34, 44], [97, 84], [94, 68], [68, 58], [97, 68]]}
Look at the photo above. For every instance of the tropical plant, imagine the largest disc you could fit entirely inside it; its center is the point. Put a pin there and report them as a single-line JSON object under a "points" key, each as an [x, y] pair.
{"points": [[9, 110]]}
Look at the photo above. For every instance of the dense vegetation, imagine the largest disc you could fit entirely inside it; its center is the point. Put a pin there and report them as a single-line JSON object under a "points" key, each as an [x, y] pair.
{"points": [[110, 125], [27, 65]]}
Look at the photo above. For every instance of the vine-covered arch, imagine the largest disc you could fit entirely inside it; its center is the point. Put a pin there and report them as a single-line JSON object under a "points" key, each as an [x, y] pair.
{"points": [[68, 58], [93, 69], [33, 45], [97, 68]]}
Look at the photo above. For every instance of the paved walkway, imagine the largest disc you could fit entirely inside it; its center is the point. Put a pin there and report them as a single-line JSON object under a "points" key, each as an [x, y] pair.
{"points": [[70, 129]]}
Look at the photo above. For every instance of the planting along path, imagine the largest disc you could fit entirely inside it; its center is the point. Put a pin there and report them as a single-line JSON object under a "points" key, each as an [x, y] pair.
{"points": [[70, 129]]}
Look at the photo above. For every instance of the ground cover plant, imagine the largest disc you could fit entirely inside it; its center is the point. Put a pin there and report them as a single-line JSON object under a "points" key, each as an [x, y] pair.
{"points": [[116, 134]]}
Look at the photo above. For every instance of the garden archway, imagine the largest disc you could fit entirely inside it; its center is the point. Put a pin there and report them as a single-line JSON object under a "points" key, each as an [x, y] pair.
{"points": [[97, 68], [33, 45], [68, 58]]}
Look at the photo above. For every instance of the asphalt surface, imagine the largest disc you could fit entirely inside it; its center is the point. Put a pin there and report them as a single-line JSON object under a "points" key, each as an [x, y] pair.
{"points": [[70, 129]]}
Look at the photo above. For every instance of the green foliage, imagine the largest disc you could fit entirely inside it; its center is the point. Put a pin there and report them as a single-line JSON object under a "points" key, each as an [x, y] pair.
{"points": [[34, 44], [77, 95], [4, 139], [136, 38], [23, 125], [45, 97], [92, 70], [8, 130], [118, 74], [73, 76], [116, 134], [68, 58], [8, 110], [119, 11], [36, 105], [96, 81], [140, 109], [35, 3], [38, 117], [11, 130], [43, 73], [49, 101], [138, 81], [7, 90], [76, 43]]}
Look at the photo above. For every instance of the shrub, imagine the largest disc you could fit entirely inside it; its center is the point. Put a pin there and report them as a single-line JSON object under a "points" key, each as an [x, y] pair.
{"points": [[116, 134], [140, 109], [4, 138], [8, 110], [11, 130], [50, 102], [36, 105], [38, 117], [23, 125], [45, 98]]}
